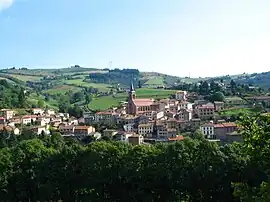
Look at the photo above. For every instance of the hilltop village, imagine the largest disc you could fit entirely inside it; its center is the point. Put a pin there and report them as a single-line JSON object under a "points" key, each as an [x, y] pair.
{"points": [[137, 121]]}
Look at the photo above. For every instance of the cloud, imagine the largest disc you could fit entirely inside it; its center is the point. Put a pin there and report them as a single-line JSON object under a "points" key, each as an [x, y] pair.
{"points": [[5, 4]]}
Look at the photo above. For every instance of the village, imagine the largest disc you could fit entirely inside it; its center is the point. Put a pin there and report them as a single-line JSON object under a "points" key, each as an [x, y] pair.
{"points": [[137, 121]]}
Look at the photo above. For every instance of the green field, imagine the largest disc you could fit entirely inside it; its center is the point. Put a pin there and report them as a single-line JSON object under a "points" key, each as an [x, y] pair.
{"points": [[105, 102], [159, 81], [238, 111], [79, 82], [62, 89], [26, 78]]}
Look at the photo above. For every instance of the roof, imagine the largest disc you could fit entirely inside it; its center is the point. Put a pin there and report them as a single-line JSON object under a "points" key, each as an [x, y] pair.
{"points": [[224, 125], [259, 98], [206, 107], [145, 125], [29, 116], [2, 118], [104, 113], [82, 127], [143, 102], [66, 127], [177, 138]]}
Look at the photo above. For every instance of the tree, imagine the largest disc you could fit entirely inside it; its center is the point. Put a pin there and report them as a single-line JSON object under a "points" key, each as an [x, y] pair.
{"points": [[88, 98], [41, 103], [218, 96]]}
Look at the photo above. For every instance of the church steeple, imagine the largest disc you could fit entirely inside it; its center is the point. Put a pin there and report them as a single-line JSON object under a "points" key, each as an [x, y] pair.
{"points": [[132, 94]]}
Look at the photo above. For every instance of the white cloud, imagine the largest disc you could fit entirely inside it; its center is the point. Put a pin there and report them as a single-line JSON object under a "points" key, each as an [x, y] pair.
{"points": [[5, 4]]}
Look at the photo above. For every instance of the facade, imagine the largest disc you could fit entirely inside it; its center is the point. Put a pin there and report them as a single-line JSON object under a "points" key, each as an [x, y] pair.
{"points": [[139, 106], [83, 130], [185, 105], [50, 112], [145, 129], [181, 95], [208, 130], [37, 111], [135, 139], [219, 106], [205, 112], [66, 130], [38, 130], [184, 114], [7, 113], [221, 130]]}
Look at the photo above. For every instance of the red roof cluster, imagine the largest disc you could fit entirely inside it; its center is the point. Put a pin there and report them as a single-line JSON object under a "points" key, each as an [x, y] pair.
{"points": [[143, 102]]}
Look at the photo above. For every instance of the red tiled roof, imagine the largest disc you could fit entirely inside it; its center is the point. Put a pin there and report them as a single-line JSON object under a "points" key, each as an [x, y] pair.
{"points": [[29, 116], [142, 102], [2, 118], [223, 125], [104, 113]]}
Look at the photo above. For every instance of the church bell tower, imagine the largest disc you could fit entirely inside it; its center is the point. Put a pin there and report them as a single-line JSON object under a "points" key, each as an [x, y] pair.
{"points": [[132, 94]]}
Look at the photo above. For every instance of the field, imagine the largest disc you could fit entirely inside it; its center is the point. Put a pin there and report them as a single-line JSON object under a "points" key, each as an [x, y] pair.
{"points": [[62, 89], [238, 111], [80, 83], [105, 102], [26, 77], [159, 81]]}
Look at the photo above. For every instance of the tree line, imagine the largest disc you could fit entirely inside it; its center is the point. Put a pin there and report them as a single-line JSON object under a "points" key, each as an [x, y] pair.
{"points": [[52, 169]]}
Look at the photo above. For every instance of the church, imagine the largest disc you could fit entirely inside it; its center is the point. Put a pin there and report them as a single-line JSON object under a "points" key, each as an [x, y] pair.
{"points": [[137, 106]]}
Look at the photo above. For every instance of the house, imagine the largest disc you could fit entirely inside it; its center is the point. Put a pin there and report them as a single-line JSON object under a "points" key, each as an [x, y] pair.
{"points": [[40, 129], [208, 130], [221, 129], [185, 105], [15, 120], [181, 95], [28, 119], [123, 136], [219, 106], [205, 112], [135, 139], [43, 121], [184, 114], [7, 113], [145, 129], [109, 133], [50, 112], [2, 120], [83, 130], [105, 117], [195, 123], [265, 100], [66, 130], [37, 111], [129, 127]]}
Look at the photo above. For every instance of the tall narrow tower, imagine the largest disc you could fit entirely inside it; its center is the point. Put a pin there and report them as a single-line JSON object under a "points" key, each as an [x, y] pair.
{"points": [[132, 93]]}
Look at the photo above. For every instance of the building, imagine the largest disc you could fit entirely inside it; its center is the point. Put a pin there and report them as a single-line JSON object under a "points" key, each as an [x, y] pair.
{"points": [[208, 130], [2, 120], [219, 106], [66, 130], [41, 129], [184, 114], [37, 111], [109, 133], [28, 119], [264, 100], [50, 112], [123, 136], [222, 129], [83, 130], [139, 106], [184, 105], [9, 129], [181, 95], [205, 112], [7, 113], [135, 139], [145, 129]]}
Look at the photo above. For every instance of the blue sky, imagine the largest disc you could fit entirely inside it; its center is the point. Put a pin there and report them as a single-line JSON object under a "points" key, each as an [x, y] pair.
{"points": [[178, 37]]}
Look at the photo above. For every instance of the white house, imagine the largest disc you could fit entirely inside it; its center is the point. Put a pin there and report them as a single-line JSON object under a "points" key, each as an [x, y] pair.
{"points": [[129, 127], [37, 111], [185, 105], [208, 130], [50, 112], [145, 129]]}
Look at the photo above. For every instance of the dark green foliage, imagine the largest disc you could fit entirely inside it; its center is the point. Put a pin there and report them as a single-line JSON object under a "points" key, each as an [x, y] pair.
{"points": [[49, 168], [11, 96]]}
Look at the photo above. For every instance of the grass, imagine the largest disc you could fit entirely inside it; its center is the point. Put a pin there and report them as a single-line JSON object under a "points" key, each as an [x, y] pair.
{"points": [[158, 80], [105, 102], [62, 89], [33, 99], [80, 83], [26, 77], [238, 111]]}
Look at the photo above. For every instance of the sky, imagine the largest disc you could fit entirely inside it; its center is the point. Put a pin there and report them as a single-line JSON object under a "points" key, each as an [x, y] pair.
{"points": [[196, 38]]}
